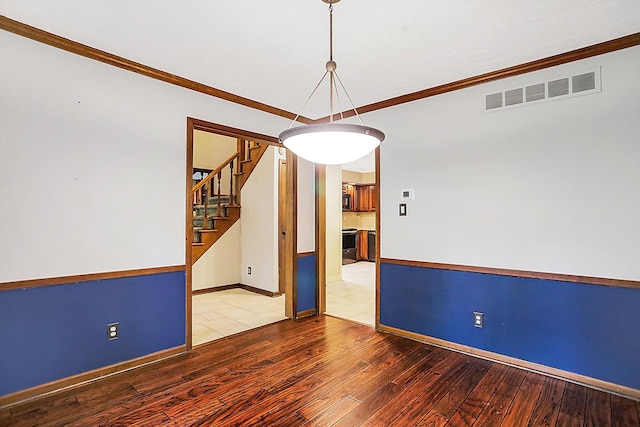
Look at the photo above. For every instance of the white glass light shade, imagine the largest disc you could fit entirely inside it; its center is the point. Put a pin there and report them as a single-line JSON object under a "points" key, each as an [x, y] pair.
{"points": [[333, 143]]}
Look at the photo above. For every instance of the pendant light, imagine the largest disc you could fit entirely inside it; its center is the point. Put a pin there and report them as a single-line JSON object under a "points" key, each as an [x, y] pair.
{"points": [[331, 143]]}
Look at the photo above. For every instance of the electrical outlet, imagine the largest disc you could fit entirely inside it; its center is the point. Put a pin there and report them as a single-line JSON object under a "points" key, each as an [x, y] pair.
{"points": [[113, 331], [478, 319], [249, 271]]}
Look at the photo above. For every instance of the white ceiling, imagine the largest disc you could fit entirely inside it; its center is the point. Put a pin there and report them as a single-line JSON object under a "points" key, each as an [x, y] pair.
{"points": [[274, 51]]}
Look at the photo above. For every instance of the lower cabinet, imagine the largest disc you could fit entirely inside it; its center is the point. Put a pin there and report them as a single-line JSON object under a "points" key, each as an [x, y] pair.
{"points": [[372, 246], [362, 245]]}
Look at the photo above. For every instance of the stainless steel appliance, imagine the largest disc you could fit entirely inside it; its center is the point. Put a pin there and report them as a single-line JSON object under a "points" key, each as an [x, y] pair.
{"points": [[346, 201], [349, 245]]}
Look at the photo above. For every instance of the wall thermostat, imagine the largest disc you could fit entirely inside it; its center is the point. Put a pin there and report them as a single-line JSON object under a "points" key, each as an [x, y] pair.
{"points": [[407, 194]]}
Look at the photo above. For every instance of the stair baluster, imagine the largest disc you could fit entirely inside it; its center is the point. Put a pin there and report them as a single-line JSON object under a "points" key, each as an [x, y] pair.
{"points": [[205, 200], [242, 148], [219, 194], [231, 201]]}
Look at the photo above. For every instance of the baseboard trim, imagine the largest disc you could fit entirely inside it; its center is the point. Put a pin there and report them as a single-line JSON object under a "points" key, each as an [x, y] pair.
{"points": [[306, 313], [236, 286], [305, 254], [623, 391], [78, 380]]}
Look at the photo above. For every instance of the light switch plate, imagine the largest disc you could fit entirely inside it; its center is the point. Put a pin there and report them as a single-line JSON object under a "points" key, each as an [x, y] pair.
{"points": [[403, 209]]}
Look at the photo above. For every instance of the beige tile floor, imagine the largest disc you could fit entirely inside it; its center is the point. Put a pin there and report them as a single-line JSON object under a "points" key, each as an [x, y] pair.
{"points": [[354, 296], [224, 313], [219, 314]]}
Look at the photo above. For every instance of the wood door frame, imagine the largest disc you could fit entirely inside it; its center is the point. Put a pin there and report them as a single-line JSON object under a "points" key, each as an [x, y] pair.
{"points": [[194, 124], [321, 236], [282, 224], [378, 245], [291, 238]]}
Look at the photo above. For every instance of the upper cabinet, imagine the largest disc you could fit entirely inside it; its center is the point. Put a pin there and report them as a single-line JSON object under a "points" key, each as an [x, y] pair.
{"points": [[359, 197], [348, 197], [372, 198]]}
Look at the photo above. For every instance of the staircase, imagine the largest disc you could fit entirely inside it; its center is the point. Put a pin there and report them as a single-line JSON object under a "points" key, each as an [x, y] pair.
{"points": [[216, 204]]}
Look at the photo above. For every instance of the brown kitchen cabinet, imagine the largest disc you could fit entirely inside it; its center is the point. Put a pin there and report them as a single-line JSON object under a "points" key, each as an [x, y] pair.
{"points": [[369, 197], [362, 245], [362, 197]]}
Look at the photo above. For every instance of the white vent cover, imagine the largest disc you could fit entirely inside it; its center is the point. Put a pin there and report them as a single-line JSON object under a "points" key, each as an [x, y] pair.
{"points": [[513, 97], [565, 87], [535, 92], [558, 87]]}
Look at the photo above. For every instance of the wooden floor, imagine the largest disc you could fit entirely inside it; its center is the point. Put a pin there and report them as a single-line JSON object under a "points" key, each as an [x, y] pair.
{"points": [[324, 371]]}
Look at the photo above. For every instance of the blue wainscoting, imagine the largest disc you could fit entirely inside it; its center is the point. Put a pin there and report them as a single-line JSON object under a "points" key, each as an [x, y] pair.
{"points": [[586, 329], [52, 332], [306, 282]]}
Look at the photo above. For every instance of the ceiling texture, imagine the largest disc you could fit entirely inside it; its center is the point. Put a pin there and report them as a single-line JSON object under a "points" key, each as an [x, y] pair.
{"points": [[274, 51]]}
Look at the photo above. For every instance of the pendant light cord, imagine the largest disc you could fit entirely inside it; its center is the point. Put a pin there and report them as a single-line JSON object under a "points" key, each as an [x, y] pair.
{"points": [[330, 31], [331, 70]]}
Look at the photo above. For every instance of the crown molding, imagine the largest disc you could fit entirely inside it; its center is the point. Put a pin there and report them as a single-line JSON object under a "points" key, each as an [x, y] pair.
{"points": [[56, 41], [528, 67], [50, 39]]}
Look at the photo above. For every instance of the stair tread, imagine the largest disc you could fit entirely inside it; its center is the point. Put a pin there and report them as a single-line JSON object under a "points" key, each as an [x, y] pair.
{"points": [[214, 207], [209, 230], [197, 244], [213, 196], [215, 203], [210, 205]]}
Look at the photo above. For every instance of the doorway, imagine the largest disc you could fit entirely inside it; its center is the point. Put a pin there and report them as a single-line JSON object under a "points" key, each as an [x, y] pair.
{"points": [[352, 243], [234, 285]]}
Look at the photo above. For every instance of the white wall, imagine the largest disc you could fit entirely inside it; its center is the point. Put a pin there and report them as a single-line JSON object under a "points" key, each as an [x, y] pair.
{"points": [[92, 163], [551, 187], [259, 225], [358, 177], [210, 149], [334, 223], [220, 265], [306, 207]]}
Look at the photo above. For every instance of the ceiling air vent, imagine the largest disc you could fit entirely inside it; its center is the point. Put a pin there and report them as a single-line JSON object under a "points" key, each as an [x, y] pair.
{"points": [[513, 97], [535, 92], [560, 88], [583, 82], [494, 101]]}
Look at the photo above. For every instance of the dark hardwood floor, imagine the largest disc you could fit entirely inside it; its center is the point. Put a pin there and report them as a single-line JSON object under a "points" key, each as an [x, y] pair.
{"points": [[324, 371]]}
